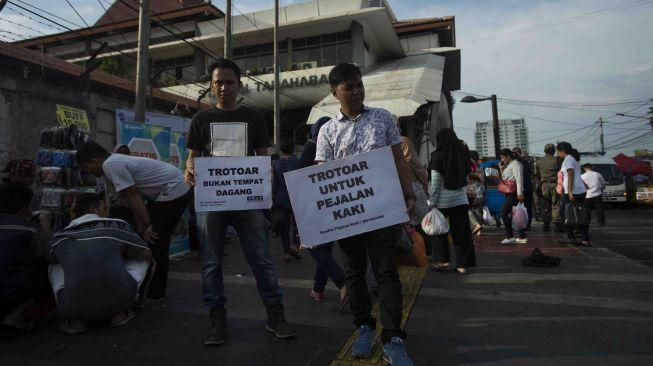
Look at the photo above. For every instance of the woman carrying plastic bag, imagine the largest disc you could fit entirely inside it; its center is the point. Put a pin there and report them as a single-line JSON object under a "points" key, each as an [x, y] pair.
{"points": [[512, 186]]}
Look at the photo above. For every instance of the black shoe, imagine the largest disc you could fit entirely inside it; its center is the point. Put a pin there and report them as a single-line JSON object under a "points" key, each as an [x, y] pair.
{"points": [[277, 323], [218, 332], [546, 228]]}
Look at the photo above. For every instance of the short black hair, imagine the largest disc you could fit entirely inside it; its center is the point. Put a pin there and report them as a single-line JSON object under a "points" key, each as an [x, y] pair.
{"points": [[89, 151], [343, 72], [14, 197], [587, 165], [549, 149], [86, 203], [565, 147], [507, 152], [224, 63], [287, 146]]}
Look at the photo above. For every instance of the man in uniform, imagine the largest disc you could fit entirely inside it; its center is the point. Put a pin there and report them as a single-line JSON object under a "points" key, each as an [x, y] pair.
{"points": [[547, 167]]}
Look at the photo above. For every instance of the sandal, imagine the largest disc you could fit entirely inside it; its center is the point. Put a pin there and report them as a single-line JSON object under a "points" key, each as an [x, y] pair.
{"points": [[441, 267], [120, 321], [72, 327], [585, 244]]}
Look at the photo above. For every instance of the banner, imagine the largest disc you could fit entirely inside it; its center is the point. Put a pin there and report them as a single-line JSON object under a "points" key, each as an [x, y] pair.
{"points": [[178, 153], [346, 197], [68, 116], [233, 183], [146, 140], [176, 123]]}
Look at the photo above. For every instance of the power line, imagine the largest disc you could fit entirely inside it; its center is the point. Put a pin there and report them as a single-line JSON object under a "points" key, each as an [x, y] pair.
{"points": [[564, 21], [76, 12], [46, 12]]}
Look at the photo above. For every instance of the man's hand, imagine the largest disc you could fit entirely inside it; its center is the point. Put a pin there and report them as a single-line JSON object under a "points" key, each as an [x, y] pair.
{"points": [[571, 196], [520, 198], [149, 235], [189, 175], [410, 203]]}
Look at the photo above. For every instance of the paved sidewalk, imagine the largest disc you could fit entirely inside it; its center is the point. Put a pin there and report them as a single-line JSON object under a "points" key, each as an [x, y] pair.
{"points": [[596, 308]]}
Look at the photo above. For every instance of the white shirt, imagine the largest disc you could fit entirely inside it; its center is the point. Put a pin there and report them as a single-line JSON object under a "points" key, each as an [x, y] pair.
{"points": [[515, 172], [595, 182], [154, 179], [579, 185]]}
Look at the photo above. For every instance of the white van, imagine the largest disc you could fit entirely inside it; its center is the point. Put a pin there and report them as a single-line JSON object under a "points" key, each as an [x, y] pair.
{"points": [[615, 190]]}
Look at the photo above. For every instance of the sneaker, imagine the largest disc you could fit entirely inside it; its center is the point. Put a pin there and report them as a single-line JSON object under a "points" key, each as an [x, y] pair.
{"points": [[508, 241], [317, 296], [395, 354], [218, 332], [362, 347], [522, 241], [277, 323]]}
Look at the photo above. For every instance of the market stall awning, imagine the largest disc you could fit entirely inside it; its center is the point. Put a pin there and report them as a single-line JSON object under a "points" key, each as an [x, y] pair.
{"points": [[400, 86], [632, 166]]}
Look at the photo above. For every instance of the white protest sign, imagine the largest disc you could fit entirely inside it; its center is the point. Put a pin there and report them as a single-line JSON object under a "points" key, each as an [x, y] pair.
{"points": [[233, 184], [346, 197]]}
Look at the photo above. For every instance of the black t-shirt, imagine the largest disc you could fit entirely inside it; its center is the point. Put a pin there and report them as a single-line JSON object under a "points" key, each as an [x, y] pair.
{"points": [[200, 139]]}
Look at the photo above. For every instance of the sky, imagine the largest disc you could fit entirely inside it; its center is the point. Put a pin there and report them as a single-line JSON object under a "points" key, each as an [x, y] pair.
{"points": [[561, 64]]}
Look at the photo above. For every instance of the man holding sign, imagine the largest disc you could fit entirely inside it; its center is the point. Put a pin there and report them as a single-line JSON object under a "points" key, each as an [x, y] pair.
{"points": [[358, 129], [231, 130]]}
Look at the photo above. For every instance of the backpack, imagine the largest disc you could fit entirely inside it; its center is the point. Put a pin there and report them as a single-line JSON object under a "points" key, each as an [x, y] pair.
{"points": [[538, 259]]}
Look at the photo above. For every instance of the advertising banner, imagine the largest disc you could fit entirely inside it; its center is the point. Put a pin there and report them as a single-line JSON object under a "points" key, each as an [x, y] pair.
{"points": [[346, 197], [233, 183], [147, 140], [68, 116]]}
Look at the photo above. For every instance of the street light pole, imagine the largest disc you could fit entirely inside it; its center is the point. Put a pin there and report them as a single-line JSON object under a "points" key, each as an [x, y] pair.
{"points": [[142, 61], [495, 126]]}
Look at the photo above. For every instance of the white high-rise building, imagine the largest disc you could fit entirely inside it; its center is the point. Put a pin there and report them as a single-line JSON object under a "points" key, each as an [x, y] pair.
{"points": [[512, 133]]}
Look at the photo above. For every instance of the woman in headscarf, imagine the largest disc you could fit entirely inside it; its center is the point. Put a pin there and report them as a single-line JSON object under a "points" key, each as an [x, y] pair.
{"points": [[449, 166]]}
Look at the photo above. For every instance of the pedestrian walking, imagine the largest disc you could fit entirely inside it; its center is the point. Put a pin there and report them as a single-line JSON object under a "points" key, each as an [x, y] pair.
{"points": [[528, 183], [212, 133], [548, 168], [286, 228], [326, 265], [357, 129], [512, 173], [574, 189], [449, 167], [594, 198]]}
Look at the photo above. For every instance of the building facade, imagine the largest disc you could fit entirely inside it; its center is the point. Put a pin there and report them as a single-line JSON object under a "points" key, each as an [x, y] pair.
{"points": [[410, 66], [512, 133]]}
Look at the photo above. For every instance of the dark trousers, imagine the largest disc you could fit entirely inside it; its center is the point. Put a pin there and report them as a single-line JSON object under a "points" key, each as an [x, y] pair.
{"points": [[597, 203], [286, 221], [506, 216], [528, 202], [327, 266], [580, 198], [164, 217], [463, 244], [380, 247]]}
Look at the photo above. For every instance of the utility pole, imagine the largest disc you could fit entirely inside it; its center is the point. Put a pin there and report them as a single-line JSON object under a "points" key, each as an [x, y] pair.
{"points": [[143, 60], [227, 32], [602, 143], [495, 126], [277, 122]]}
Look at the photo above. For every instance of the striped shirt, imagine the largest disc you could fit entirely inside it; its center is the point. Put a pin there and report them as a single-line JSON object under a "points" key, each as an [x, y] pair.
{"points": [[442, 197]]}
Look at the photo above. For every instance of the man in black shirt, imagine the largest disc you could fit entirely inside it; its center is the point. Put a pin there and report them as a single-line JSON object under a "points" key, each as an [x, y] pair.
{"points": [[229, 129]]}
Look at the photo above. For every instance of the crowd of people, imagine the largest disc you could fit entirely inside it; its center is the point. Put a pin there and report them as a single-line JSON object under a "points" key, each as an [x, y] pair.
{"points": [[109, 259]]}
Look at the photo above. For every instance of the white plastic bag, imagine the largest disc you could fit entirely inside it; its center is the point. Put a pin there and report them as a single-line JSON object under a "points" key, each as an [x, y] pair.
{"points": [[488, 219], [519, 216], [434, 223]]}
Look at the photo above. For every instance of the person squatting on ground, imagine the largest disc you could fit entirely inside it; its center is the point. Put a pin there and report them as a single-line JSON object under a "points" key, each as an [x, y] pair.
{"points": [[574, 190], [24, 282], [287, 162], [548, 168], [512, 170], [357, 129], [449, 167], [137, 180], [207, 136], [99, 265], [594, 198], [326, 265]]}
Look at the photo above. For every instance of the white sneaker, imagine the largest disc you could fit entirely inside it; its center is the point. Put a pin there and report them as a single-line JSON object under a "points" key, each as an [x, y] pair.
{"points": [[508, 241], [522, 241]]}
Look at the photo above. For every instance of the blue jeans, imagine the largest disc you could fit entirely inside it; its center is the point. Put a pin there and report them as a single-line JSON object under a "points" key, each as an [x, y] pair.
{"points": [[252, 232], [326, 267]]}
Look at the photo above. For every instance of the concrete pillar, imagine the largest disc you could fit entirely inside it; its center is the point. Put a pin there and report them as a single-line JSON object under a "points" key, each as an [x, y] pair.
{"points": [[358, 45]]}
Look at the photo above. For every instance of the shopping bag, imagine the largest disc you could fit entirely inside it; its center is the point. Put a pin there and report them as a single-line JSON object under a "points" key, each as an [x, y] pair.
{"points": [[576, 215], [488, 219], [417, 257], [507, 186], [519, 216], [434, 223]]}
